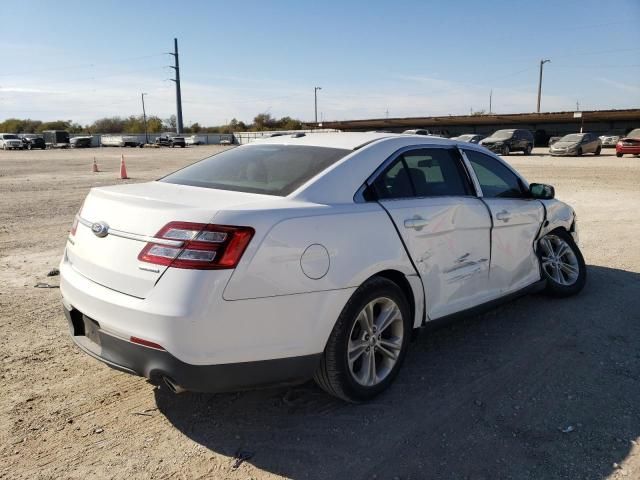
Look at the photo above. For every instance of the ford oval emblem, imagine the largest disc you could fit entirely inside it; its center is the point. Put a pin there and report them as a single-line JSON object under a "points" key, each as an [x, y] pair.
{"points": [[100, 229]]}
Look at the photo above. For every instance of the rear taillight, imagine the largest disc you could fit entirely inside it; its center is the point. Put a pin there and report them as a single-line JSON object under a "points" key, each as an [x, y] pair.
{"points": [[74, 226], [198, 246], [76, 219]]}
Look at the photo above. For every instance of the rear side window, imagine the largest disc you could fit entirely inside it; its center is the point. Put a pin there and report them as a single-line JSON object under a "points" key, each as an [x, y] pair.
{"points": [[266, 169], [423, 173], [495, 179]]}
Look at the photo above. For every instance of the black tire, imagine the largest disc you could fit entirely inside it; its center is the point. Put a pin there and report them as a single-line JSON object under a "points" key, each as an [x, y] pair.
{"points": [[527, 150], [333, 374], [618, 154], [579, 152], [505, 150], [554, 288], [598, 150], [29, 146]]}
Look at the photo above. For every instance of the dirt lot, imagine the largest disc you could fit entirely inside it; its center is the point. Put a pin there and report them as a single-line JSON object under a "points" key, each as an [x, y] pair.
{"points": [[536, 389]]}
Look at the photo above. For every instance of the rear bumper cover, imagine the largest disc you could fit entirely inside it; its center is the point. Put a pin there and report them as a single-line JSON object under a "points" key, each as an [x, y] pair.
{"points": [[633, 149], [155, 364]]}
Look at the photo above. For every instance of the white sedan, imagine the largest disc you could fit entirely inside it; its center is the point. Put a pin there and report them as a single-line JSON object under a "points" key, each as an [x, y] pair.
{"points": [[307, 256]]}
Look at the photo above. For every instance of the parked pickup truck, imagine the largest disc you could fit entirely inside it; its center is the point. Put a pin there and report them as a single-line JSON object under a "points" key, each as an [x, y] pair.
{"points": [[167, 141]]}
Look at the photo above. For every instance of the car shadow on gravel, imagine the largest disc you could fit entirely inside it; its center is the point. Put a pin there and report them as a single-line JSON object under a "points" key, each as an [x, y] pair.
{"points": [[538, 388]]}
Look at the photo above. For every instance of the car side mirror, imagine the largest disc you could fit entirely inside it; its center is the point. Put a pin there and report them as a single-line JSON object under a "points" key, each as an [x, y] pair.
{"points": [[542, 191]]}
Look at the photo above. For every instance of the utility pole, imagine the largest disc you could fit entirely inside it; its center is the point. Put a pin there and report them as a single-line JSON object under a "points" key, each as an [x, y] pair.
{"points": [[490, 98], [315, 98], [177, 81], [144, 117], [542, 62]]}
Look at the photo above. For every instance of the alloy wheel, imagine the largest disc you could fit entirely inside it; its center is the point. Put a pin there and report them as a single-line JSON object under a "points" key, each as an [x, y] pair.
{"points": [[375, 342], [558, 260]]}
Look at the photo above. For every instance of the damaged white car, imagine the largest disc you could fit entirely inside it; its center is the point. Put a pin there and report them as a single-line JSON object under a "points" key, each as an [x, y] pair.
{"points": [[307, 256]]}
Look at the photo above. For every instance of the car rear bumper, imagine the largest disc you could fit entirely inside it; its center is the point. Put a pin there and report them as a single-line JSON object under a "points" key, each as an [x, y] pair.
{"points": [[633, 149], [156, 365], [186, 314]]}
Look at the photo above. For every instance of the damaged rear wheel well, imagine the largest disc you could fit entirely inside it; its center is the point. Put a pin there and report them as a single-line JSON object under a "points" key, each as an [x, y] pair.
{"points": [[400, 279]]}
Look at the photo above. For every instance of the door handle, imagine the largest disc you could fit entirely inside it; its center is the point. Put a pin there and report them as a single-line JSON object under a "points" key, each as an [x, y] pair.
{"points": [[416, 223], [503, 215]]}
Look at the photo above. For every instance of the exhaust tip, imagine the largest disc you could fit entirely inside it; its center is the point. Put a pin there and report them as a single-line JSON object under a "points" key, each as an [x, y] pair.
{"points": [[173, 386]]}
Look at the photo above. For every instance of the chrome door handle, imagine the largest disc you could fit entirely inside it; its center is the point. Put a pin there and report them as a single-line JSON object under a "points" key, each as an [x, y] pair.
{"points": [[416, 223], [503, 215]]}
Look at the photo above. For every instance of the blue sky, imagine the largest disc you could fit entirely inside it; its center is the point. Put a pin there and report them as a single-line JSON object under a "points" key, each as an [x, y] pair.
{"points": [[83, 60]]}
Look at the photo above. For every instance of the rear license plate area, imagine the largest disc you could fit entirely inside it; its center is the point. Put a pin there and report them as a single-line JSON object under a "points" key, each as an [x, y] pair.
{"points": [[91, 329]]}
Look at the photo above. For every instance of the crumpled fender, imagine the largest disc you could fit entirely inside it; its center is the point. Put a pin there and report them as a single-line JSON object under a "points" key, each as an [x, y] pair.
{"points": [[558, 214]]}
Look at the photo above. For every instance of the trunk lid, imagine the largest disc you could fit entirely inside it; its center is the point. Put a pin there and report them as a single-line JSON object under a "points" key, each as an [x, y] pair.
{"points": [[133, 212]]}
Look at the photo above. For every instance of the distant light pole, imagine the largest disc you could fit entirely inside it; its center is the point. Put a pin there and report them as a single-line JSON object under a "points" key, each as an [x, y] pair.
{"points": [[315, 98], [144, 117], [542, 62], [490, 98]]}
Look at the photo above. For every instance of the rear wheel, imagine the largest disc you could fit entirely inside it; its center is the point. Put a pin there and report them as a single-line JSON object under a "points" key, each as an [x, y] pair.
{"points": [[527, 150], [598, 150], [368, 342], [580, 151], [562, 264]]}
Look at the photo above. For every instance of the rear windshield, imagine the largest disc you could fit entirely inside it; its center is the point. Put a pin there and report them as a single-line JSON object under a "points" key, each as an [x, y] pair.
{"points": [[267, 169], [634, 133]]}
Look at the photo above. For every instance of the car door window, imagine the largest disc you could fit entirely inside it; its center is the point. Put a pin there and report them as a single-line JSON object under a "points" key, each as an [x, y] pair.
{"points": [[423, 173], [495, 179]]}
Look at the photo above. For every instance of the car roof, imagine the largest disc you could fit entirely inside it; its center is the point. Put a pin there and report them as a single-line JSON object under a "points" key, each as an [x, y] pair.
{"points": [[344, 140]]}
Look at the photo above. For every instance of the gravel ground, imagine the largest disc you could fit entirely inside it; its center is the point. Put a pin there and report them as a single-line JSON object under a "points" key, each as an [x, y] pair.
{"points": [[539, 388]]}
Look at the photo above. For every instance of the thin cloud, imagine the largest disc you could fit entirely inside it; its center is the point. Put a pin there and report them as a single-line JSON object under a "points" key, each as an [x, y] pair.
{"points": [[620, 85]]}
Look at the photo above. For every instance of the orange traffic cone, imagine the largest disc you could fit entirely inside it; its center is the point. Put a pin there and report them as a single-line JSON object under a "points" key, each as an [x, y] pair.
{"points": [[95, 166], [123, 169]]}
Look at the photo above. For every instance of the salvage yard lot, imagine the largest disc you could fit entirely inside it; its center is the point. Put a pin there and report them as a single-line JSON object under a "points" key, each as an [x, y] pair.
{"points": [[539, 388]]}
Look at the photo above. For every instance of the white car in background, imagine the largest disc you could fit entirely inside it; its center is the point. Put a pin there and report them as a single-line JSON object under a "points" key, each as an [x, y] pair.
{"points": [[10, 141], [609, 141], [307, 256], [195, 140]]}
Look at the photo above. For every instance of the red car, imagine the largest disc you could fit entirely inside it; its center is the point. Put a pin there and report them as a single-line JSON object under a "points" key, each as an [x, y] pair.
{"points": [[629, 144]]}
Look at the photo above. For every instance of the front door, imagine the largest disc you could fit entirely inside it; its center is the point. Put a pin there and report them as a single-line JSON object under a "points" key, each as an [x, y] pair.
{"points": [[443, 225], [516, 222]]}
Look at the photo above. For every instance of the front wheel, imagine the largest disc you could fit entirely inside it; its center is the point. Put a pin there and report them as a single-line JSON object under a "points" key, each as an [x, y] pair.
{"points": [[618, 154], [505, 150], [368, 343], [598, 150], [527, 150], [562, 264], [580, 152]]}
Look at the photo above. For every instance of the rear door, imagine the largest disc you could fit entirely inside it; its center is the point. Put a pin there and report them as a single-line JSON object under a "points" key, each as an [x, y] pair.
{"points": [[516, 222], [444, 226]]}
